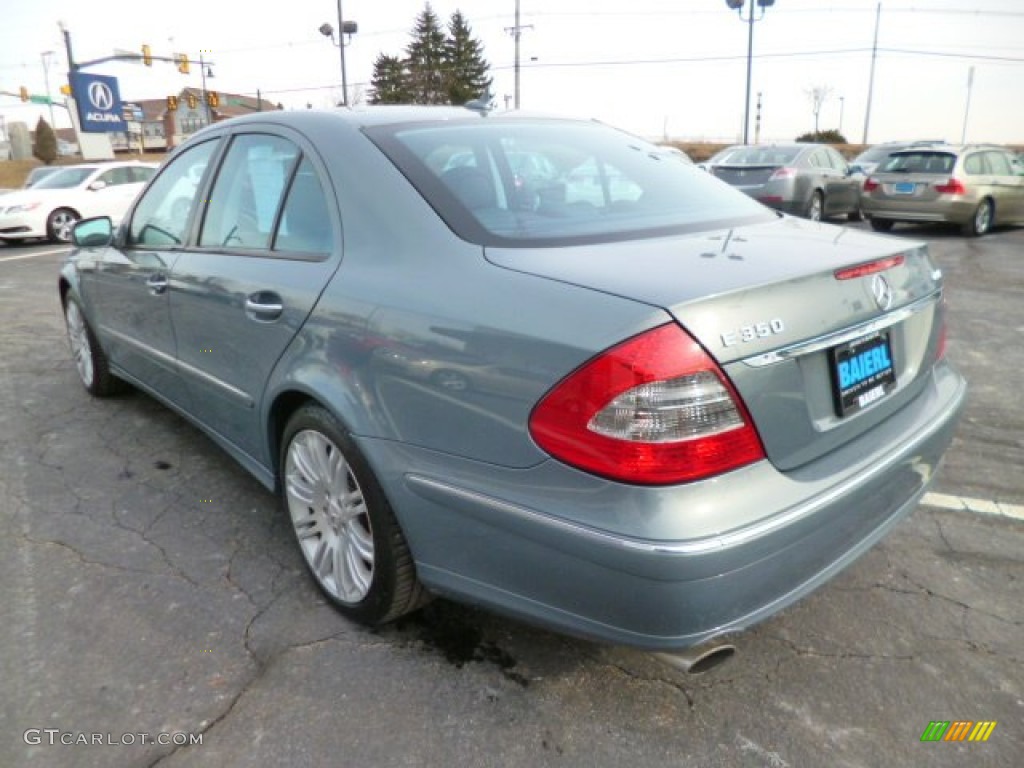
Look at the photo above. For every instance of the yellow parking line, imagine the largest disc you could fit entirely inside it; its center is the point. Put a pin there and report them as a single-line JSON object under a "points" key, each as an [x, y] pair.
{"points": [[980, 506]]}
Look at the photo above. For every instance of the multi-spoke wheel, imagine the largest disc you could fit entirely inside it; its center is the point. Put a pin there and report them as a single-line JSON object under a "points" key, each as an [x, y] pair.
{"points": [[89, 359], [815, 207], [344, 525], [59, 225], [981, 221]]}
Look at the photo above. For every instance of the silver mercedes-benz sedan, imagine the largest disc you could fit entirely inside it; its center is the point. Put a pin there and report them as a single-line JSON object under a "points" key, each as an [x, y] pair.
{"points": [[677, 411]]}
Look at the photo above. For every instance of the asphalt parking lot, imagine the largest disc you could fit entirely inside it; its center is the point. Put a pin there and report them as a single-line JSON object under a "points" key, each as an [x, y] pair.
{"points": [[156, 611]]}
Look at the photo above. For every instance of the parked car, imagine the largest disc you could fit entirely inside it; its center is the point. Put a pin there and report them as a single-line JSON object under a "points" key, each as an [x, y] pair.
{"points": [[868, 160], [40, 172], [50, 207], [975, 186], [675, 411], [809, 180]]}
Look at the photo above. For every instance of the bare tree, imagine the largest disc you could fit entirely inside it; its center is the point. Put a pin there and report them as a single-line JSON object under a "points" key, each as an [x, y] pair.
{"points": [[818, 95]]}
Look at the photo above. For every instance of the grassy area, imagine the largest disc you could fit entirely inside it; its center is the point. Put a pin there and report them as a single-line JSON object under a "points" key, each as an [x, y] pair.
{"points": [[13, 172]]}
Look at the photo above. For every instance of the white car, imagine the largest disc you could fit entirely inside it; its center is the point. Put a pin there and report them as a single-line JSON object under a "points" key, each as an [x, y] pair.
{"points": [[51, 207]]}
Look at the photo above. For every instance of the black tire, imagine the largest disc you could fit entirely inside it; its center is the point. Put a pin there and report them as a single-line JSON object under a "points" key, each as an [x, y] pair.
{"points": [[59, 224], [348, 535], [815, 210], [91, 362], [856, 214], [881, 225], [980, 221]]}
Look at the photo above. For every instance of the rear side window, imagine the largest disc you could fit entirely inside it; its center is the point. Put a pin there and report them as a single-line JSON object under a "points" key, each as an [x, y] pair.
{"points": [[539, 182], [247, 193], [998, 164]]}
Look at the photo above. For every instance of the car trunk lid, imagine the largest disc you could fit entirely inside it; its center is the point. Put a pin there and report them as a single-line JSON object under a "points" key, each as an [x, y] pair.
{"points": [[819, 355]]}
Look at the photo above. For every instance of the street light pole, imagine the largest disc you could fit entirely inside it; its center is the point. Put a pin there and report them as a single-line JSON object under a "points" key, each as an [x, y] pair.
{"points": [[206, 98], [751, 17], [341, 47], [46, 79]]}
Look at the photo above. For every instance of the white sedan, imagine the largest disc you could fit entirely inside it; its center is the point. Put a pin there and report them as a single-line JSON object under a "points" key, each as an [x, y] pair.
{"points": [[51, 207]]}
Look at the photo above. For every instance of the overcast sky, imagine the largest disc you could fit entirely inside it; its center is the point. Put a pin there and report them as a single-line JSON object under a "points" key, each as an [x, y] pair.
{"points": [[662, 68]]}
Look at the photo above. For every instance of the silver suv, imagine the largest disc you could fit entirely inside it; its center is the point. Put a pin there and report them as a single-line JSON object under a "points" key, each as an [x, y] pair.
{"points": [[974, 186]]}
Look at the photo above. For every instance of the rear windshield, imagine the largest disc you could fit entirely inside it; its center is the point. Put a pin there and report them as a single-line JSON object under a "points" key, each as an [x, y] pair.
{"points": [[518, 182], [874, 155], [758, 156], [920, 162]]}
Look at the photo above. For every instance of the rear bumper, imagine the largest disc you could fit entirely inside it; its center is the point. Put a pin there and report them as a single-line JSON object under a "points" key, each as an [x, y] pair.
{"points": [[521, 545], [952, 212]]}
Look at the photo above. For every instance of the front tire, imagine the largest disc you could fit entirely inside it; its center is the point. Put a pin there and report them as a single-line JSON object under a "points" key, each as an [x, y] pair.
{"points": [[881, 225], [981, 221], [91, 362], [344, 525], [59, 224]]}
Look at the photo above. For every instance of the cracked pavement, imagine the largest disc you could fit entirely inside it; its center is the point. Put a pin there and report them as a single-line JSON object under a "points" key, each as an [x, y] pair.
{"points": [[151, 586]]}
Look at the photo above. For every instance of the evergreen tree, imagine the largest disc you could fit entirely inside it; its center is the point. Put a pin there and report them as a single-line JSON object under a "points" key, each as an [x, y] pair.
{"points": [[467, 69], [389, 81], [426, 60], [45, 146]]}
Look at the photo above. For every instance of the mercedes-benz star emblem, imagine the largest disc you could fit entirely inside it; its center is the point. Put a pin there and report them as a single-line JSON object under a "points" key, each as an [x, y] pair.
{"points": [[882, 292], [101, 96]]}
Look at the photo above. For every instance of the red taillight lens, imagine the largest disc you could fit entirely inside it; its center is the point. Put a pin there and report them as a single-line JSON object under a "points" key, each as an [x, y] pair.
{"points": [[653, 410], [951, 187], [871, 184], [849, 273], [783, 173]]}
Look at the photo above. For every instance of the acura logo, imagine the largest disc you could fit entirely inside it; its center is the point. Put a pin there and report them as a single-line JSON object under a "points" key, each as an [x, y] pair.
{"points": [[101, 96], [882, 292]]}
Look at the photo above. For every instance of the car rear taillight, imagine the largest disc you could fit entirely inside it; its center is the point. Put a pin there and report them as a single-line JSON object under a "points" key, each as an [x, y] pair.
{"points": [[871, 184], [653, 410], [951, 187], [783, 173]]}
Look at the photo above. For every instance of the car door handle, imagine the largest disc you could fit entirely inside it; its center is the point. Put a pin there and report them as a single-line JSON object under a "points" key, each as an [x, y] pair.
{"points": [[157, 284], [264, 306]]}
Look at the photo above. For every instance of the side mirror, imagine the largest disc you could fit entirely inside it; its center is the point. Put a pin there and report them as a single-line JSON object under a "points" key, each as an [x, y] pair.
{"points": [[93, 233], [96, 186]]}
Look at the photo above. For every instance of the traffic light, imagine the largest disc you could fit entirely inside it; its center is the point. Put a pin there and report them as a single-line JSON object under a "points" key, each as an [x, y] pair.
{"points": [[213, 98], [65, 89], [172, 103], [192, 101], [147, 56], [23, 93], [182, 63]]}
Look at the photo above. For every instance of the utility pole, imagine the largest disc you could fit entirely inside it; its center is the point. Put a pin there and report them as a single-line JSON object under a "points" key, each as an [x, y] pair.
{"points": [[967, 107], [46, 79], [871, 76], [516, 32], [341, 47]]}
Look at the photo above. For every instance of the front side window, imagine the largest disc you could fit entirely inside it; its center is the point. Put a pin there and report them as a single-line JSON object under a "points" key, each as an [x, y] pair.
{"points": [[546, 182], [162, 215], [247, 193]]}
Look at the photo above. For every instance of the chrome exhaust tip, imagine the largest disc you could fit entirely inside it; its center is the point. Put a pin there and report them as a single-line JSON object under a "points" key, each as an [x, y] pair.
{"points": [[697, 660]]}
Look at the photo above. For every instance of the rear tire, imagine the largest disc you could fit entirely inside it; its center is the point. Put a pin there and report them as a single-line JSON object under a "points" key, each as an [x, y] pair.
{"points": [[855, 214], [881, 225], [980, 222], [815, 207], [347, 533]]}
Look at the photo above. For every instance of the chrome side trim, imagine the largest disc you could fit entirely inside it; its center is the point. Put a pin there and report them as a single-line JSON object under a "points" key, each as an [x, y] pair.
{"points": [[820, 343], [174, 363]]}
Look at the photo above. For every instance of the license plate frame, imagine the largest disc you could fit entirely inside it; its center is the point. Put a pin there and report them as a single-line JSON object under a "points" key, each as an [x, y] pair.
{"points": [[863, 372]]}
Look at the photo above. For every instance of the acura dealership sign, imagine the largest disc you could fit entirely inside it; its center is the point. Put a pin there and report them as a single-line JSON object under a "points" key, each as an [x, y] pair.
{"points": [[99, 102]]}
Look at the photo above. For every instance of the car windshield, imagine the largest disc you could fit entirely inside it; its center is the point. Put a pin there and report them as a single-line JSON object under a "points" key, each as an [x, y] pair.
{"points": [[518, 182], [65, 179], [920, 162], [757, 156]]}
